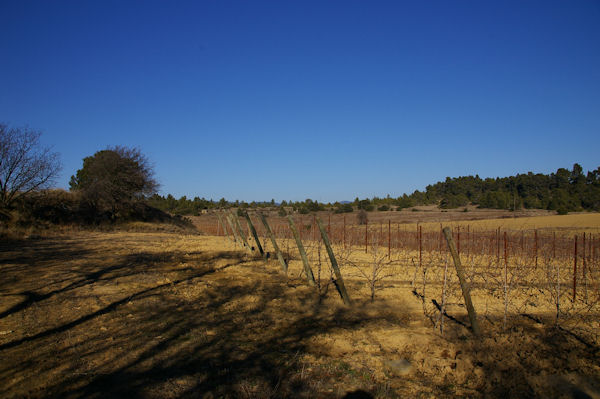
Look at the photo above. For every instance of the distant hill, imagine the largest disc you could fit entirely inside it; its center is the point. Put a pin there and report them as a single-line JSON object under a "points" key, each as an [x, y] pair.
{"points": [[563, 191]]}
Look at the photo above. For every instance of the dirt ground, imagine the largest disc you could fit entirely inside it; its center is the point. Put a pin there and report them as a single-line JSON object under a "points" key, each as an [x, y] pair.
{"points": [[163, 315], [417, 214]]}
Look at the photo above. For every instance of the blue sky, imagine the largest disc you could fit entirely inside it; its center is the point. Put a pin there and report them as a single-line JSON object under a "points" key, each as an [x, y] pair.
{"points": [[327, 100]]}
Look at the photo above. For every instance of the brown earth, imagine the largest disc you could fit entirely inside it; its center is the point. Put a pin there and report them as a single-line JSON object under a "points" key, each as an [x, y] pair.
{"points": [[163, 315], [417, 214]]}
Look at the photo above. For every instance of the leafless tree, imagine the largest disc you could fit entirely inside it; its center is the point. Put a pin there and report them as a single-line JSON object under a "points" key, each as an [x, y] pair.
{"points": [[376, 268], [25, 165]]}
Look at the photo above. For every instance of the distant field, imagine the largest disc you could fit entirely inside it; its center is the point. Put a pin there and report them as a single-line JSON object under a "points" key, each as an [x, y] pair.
{"points": [[424, 214], [431, 218], [574, 223]]}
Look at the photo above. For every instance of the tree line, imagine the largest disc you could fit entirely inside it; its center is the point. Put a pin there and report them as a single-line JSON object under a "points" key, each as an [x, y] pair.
{"points": [[562, 191]]}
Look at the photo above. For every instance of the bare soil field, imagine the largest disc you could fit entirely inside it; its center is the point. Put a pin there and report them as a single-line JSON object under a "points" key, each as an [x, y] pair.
{"points": [[431, 218], [166, 315], [417, 214], [431, 213]]}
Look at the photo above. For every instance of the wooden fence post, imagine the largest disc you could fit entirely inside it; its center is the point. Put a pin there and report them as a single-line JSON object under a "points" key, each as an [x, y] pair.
{"points": [[344, 231], [389, 238], [575, 270], [505, 281], [420, 246], [231, 224], [505, 249], [309, 274], [535, 246], [225, 232], [467, 241], [458, 239], [275, 246], [498, 246], [366, 236], [338, 275], [240, 231], [463, 282], [253, 231], [585, 283]]}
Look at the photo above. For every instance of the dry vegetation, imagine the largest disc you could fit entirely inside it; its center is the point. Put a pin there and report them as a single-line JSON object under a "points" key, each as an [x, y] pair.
{"points": [[169, 315]]}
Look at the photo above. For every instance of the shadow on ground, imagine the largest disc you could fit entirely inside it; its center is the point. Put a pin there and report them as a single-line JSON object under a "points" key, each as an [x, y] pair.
{"points": [[155, 324], [126, 316]]}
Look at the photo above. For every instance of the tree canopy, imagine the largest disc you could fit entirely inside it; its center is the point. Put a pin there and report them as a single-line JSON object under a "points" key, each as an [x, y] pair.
{"points": [[563, 190], [114, 179]]}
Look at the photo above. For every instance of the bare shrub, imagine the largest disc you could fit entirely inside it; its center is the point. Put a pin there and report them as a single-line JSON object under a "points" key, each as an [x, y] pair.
{"points": [[25, 165]]}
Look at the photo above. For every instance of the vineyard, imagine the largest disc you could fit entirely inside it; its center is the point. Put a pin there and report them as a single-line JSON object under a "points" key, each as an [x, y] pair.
{"points": [[550, 276], [262, 306]]}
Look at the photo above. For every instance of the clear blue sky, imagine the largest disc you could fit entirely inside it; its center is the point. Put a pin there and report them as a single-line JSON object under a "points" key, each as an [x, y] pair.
{"points": [[326, 100]]}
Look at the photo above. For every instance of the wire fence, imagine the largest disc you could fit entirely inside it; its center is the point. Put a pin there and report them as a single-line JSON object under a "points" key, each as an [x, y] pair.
{"points": [[548, 276]]}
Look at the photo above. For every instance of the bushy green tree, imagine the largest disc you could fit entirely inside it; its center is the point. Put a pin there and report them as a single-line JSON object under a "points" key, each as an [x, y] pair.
{"points": [[113, 180], [344, 208], [451, 201], [365, 204]]}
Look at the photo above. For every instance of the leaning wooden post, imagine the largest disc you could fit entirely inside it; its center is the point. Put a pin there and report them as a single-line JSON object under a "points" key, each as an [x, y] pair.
{"points": [[338, 275], [585, 283], [463, 283], [253, 231], [575, 270], [420, 246], [366, 236], [498, 246], [275, 246], [225, 232], [240, 231], [344, 235], [230, 222], [309, 274], [389, 238]]}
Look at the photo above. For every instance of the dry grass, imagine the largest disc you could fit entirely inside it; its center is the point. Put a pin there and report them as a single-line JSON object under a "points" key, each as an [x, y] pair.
{"points": [[166, 315], [573, 223]]}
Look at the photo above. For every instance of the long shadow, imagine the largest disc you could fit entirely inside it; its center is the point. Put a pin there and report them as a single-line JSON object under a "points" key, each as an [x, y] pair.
{"points": [[203, 334], [30, 298], [223, 362], [31, 252], [106, 309], [454, 319], [235, 336], [51, 250]]}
